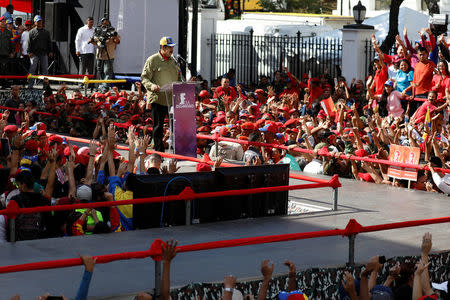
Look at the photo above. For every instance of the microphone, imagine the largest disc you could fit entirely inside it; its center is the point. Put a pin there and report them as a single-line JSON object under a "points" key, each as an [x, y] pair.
{"points": [[180, 58]]}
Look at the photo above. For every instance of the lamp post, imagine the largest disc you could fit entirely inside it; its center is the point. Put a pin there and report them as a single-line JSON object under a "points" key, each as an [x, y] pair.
{"points": [[359, 13]]}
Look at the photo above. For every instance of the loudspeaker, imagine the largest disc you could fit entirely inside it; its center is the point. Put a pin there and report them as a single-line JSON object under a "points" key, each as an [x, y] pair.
{"points": [[56, 21]]}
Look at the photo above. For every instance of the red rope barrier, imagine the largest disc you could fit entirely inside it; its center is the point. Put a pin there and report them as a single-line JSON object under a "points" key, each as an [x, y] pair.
{"points": [[62, 76], [13, 209], [352, 228]]}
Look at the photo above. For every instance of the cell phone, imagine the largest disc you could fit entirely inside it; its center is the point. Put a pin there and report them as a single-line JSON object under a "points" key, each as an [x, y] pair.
{"points": [[6, 148], [335, 81], [382, 259], [55, 298]]}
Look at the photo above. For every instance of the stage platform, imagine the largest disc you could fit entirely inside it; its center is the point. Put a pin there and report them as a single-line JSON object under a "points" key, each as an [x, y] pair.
{"points": [[368, 203]]}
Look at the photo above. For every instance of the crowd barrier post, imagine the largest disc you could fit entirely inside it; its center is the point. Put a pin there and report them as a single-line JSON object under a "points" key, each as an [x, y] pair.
{"points": [[157, 278], [12, 230], [216, 143], [335, 199], [351, 250]]}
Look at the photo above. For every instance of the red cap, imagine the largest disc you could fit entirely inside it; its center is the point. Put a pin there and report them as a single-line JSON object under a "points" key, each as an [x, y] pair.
{"points": [[31, 145], [220, 119], [123, 94], [361, 153], [259, 91], [203, 167], [10, 128], [204, 129], [203, 93], [290, 122], [224, 132], [41, 133], [57, 139], [269, 128], [28, 22], [260, 122], [248, 125]]}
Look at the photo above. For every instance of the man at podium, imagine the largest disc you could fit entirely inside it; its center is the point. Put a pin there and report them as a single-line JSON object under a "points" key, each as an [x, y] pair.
{"points": [[160, 71]]}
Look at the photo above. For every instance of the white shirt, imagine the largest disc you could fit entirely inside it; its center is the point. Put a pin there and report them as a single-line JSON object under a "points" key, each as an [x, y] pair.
{"points": [[227, 150], [314, 167], [82, 44], [24, 42], [443, 183]]}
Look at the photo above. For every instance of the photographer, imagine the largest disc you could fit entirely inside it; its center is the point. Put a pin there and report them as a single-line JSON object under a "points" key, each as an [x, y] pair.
{"points": [[106, 38]]}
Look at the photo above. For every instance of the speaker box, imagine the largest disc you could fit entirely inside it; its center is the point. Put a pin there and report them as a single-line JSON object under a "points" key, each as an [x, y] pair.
{"points": [[56, 21]]}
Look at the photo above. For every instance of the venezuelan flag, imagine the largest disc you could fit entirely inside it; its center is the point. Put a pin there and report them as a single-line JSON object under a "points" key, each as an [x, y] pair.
{"points": [[428, 118]]}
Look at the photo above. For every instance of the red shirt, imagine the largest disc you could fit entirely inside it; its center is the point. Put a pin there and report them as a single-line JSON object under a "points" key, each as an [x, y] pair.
{"points": [[419, 115], [380, 78], [444, 84], [423, 77], [230, 92]]}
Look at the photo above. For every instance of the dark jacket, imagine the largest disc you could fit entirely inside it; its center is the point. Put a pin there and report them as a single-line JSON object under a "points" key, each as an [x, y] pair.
{"points": [[6, 47], [39, 42]]}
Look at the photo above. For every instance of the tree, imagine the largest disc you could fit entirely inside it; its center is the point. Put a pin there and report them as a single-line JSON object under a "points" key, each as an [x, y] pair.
{"points": [[302, 6], [433, 6], [393, 26]]}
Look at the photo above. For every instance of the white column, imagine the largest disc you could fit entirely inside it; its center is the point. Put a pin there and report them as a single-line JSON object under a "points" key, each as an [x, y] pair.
{"points": [[354, 53]]}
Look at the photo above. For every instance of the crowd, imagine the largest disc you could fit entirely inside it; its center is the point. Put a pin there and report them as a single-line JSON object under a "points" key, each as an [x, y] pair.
{"points": [[405, 281], [397, 105], [25, 46]]}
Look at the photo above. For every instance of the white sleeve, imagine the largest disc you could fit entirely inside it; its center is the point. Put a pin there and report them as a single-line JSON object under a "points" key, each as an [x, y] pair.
{"points": [[78, 41], [441, 184]]}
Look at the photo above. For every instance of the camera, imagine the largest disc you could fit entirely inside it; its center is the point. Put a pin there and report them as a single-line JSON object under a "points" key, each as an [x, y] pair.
{"points": [[104, 33]]}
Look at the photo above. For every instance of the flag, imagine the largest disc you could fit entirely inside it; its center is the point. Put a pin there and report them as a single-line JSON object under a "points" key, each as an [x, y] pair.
{"points": [[329, 107], [428, 118]]}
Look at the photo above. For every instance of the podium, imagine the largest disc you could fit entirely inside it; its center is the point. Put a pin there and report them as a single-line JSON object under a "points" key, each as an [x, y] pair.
{"points": [[184, 127]]}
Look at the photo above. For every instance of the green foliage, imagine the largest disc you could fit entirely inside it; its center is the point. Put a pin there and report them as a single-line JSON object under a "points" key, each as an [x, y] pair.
{"points": [[301, 6]]}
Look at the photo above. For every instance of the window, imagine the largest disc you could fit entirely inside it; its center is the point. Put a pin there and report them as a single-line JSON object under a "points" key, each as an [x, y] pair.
{"points": [[382, 4]]}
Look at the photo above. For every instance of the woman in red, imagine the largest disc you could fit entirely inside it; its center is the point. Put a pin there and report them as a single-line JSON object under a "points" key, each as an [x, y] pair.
{"points": [[441, 80]]}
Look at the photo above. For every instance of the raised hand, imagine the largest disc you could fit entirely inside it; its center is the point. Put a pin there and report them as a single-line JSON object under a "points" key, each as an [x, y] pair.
{"points": [[92, 148], [173, 166], [426, 243], [420, 267], [88, 262], [169, 251], [348, 283], [291, 265], [267, 269]]}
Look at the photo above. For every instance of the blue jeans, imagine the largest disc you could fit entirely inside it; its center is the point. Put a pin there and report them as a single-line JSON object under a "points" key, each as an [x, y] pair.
{"points": [[105, 70], [34, 61]]}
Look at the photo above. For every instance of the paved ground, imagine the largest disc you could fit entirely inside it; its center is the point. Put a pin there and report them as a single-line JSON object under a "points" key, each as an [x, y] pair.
{"points": [[367, 203]]}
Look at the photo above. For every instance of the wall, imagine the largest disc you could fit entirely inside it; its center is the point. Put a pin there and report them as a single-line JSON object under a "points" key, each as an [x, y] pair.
{"points": [[141, 24]]}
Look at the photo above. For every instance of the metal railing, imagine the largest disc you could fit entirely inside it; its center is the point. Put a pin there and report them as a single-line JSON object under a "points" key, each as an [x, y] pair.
{"points": [[253, 56]]}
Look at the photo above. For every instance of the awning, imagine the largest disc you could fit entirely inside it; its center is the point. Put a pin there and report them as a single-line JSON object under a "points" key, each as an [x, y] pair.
{"points": [[19, 5]]}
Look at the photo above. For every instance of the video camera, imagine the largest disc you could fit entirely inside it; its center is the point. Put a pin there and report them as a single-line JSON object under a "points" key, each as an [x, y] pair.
{"points": [[104, 33]]}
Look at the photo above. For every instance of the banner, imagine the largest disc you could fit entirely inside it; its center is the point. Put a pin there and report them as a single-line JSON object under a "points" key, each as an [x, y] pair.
{"points": [[185, 139], [25, 6], [402, 154], [329, 107]]}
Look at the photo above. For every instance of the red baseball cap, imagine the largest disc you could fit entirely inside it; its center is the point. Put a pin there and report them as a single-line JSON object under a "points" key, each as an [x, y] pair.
{"points": [[269, 128]]}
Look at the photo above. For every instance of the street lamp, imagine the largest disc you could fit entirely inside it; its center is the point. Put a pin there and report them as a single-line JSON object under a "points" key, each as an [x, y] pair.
{"points": [[359, 12]]}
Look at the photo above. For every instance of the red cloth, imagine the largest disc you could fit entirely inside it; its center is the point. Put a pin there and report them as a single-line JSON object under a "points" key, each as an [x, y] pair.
{"points": [[25, 6], [380, 78], [423, 77]]}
